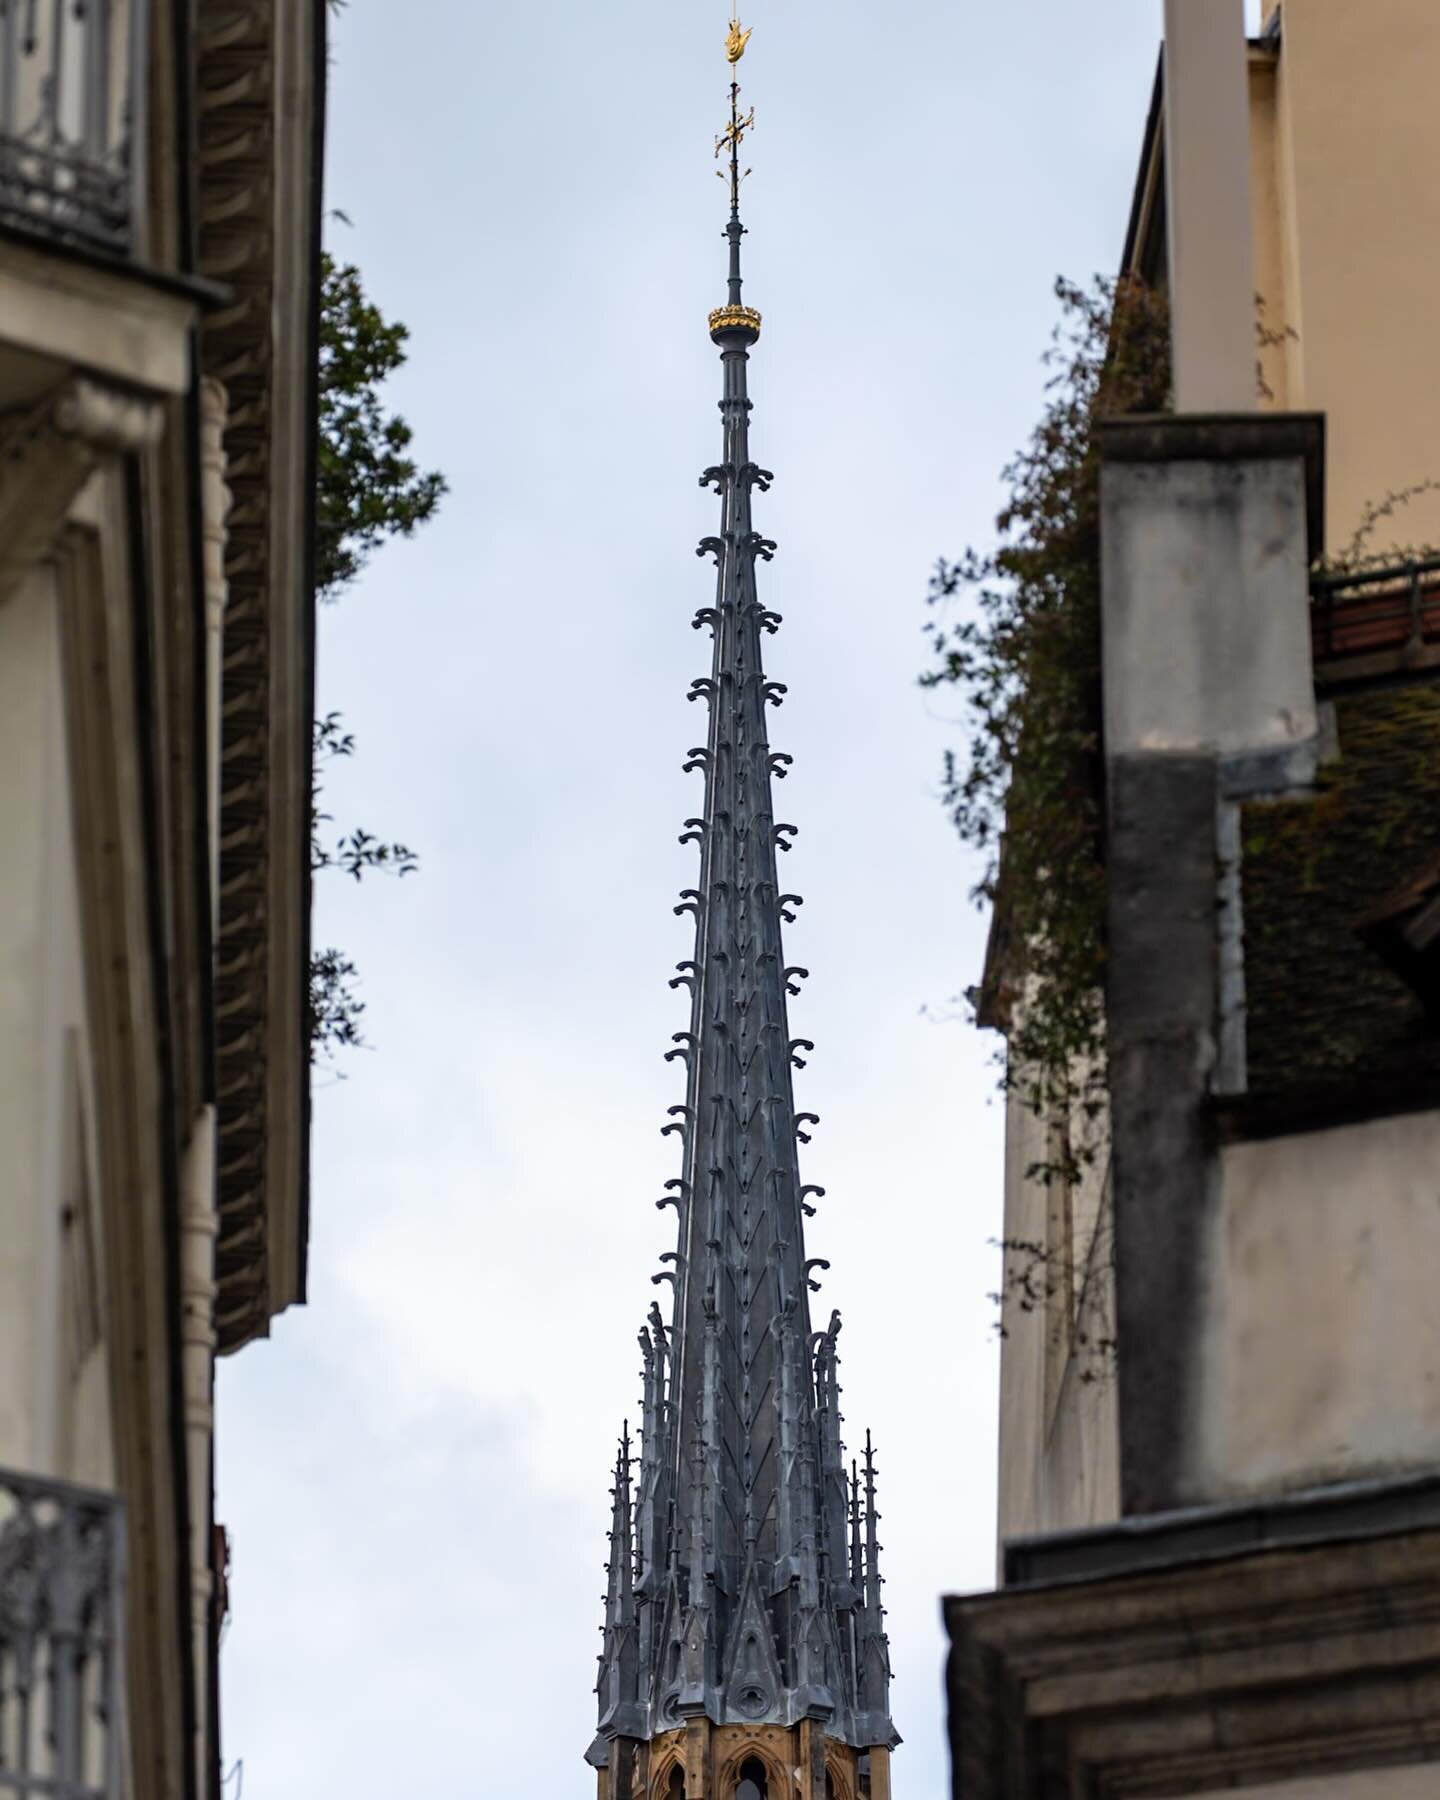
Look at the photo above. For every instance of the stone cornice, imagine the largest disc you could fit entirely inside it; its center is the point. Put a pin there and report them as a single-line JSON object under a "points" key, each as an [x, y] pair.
{"points": [[47, 453], [1284, 1664], [248, 155]]}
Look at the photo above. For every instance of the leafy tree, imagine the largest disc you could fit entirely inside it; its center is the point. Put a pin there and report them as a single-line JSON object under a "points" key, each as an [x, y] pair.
{"points": [[370, 489]]}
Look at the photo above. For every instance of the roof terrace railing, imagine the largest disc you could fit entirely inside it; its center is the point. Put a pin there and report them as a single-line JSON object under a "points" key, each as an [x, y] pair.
{"points": [[1389, 613], [71, 125], [62, 1576]]}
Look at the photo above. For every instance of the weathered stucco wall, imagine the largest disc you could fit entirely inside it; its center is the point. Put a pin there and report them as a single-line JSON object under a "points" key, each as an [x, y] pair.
{"points": [[54, 1382], [1206, 611], [1059, 1455], [1320, 1272], [28, 694]]}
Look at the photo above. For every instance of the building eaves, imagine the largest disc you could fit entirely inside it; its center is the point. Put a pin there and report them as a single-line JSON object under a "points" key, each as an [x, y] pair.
{"points": [[1282, 1662], [258, 220], [1150, 178], [1144, 254]]}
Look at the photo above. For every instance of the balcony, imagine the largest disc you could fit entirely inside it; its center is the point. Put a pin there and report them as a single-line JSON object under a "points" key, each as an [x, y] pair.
{"points": [[61, 1641], [71, 82]]}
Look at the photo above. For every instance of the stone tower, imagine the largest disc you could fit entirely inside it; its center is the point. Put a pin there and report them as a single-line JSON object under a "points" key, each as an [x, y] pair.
{"points": [[744, 1655]]}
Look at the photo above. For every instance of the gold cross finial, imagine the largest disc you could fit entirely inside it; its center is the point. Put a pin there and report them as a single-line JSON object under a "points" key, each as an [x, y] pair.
{"points": [[733, 135]]}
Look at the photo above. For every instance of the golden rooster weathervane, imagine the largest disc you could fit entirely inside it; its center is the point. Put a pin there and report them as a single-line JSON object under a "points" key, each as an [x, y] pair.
{"points": [[733, 135], [735, 318]]}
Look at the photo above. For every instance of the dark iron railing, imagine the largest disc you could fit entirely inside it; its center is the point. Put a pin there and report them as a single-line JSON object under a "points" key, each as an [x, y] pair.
{"points": [[71, 85], [61, 1641], [1392, 611]]}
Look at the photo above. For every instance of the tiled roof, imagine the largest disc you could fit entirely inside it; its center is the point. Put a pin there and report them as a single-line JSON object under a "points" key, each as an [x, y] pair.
{"points": [[1328, 1024]]}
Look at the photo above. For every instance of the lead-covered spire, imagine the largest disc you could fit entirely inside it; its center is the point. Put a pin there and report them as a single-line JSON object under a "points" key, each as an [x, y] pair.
{"points": [[753, 1598]]}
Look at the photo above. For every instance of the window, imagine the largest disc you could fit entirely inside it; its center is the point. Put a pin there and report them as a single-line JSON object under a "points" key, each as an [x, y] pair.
{"points": [[675, 1786], [753, 1785]]}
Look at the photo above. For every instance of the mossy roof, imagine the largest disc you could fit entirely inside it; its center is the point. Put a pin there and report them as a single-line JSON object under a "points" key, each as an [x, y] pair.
{"points": [[1327, 1022]]}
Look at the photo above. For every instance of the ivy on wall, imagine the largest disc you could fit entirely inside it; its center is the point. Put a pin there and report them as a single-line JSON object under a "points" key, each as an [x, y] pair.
{"points": [[1016, 633]]}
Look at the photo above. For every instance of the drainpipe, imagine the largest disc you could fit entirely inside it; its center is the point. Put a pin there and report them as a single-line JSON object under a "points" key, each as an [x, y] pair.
{"points": [[214, 507], [199, 1215], [198, 1227]]}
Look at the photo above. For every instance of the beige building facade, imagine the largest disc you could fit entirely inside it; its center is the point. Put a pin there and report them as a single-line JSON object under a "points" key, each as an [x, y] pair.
{"points": [[1342, 170], [159, 280], [1219, 1441]]}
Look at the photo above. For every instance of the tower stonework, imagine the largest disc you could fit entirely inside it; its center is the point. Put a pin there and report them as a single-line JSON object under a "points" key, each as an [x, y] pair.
{"points": [[744, 1655]]}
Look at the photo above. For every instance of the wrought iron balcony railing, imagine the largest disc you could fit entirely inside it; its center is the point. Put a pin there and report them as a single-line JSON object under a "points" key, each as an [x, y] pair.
{"points": [[71, 86], [61, 1641]]}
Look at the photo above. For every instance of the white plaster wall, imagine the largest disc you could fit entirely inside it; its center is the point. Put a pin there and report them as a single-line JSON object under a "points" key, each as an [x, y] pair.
{"points": [[1416, 1783], [29, 667], [1319, 1354], [1059, 1429], [1080, 1466], [53, 1419], [1022, 1352]]}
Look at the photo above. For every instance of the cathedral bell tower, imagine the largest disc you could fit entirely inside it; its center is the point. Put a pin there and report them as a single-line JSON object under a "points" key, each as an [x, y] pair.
{"points": [[745, 1655]]}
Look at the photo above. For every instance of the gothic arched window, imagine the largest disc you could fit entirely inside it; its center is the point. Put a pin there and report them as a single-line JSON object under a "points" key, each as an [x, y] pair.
{"points": [[675, 1786], [753, 1785]]}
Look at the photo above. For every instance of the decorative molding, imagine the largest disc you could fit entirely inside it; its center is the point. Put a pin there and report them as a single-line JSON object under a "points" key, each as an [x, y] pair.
{"points": [[246, 155], [50, 450], [1287, 1664]]}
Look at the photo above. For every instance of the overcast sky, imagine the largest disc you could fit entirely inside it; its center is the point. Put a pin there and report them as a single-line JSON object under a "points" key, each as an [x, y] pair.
{"points": [[414, 1469]]}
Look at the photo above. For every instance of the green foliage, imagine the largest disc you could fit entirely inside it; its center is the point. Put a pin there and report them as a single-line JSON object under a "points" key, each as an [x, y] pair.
{"points": [[369, 489], [1363, 554], [335, 1007], [1026, 790], [353, 852]]}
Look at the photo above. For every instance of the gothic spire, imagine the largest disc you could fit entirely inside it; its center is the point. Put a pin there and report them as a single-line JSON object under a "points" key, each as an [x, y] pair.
{"points": [[753, 1596]]}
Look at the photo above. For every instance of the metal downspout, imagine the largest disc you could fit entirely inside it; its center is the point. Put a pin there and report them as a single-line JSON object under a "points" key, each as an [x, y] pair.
{"points": [[199, 1213]]}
